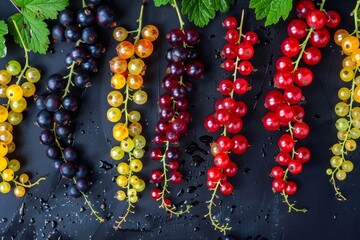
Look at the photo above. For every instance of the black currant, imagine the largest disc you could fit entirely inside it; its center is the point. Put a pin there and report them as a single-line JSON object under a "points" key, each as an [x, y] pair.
{"points": [[78, 54], [68, 60], [85, 17], [96, 50], [68, 169], [192, 37], [47, 137], [93, 3], [63, 132], [52, 102], [89, 35], [195, 69], [82, 171], [74, 192], [70, 102], [62, 117], [70, 154], [175, 69], [72, 33], [53, 152], [90, 65], [44, 119], [179, 54], [175, 37], [55, 83], [57, 164], [58, 33], [105, 16], [82, 80], [66, 17], [82, 184], [40, 102]]}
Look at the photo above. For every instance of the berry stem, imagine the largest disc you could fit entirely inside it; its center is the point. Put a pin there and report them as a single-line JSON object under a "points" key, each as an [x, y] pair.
{"points": [[356, 20], [17, 8], [70, 75], [26, 51], [181, 22], [30, 185], [165, 189], [302, 46], [217, 226], [138, 30], [83, 4]]}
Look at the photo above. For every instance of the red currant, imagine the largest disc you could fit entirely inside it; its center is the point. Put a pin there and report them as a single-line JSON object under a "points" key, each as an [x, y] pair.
{"points": [[277, 172], [156, 176], [232, 35], [293, 95], [214, 174], [303, 77], [285, 113], [270, 121], [284, 64], [235, 124], [251, 37], [229, 50], [301, 130], [303, 154], [228, 65], [311, 56], [231, 169], [155, 193], [290, 47], [241, 86], [297, 29], [221, 160], [155, 154], [316, 19], [283, 158], [240, 109], [303, 7], [320, 38], [226, 188], [290, 188], [286, 143], [173, 166], [240, 144], [244, 51], [283, 80], [245, 68], [225, 143], [225, 86], [211, 124], [223, 116], [176, 177], [230, 22], [299, 112], [333, 19], [278, 185], [295, 167], [210, 184], [273, 99]]}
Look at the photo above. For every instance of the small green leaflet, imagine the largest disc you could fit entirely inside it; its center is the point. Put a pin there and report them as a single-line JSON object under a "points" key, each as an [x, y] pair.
{"points": [[42, 9], [272, 10], [33, 31], [200, 11], [158, 3], [3, 32]]}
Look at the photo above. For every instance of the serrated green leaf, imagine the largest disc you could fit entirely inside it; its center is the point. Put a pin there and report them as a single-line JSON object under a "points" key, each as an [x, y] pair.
{"points": [[278, 9], [33, 31], [272, 10], [262, 8], [43, 9], [199, 11], [3, 32], [222, 5], [159, 3]]}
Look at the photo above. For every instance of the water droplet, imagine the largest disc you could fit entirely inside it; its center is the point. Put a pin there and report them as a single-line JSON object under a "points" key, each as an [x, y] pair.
{"points": [[105, 165]]}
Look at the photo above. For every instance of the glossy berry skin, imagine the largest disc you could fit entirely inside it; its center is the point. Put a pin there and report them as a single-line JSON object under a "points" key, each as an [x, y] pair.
{"points": [[303, 154], [58, 33], [44, 119], [68, 169], [277, 172], [221, 160], [173, 154], [96, 50], [176, 177], [290, 188], [74, 192], [155, 154], [191, 37], [55, 83], [214, 174], [285, 113], [90, 65], [311, 56], [47, 137], [70, 103], [105, 16], [251, 37], [333, 19], [290, 47], [226, 188], [156, 176], [89, 35], [175, 37], [231, 169], [63, 132], [40, 102], [245, 51], [232, 35], [82, 171], [225, 87], [293, 95], [303, 77], [85, 17], [316, 19], [225, 143], [286, 143], [284, 63], [82, 185], [155, 193], [52, 102], [53, 152], [271, 122], [278, 185], [301, 130], [195, 69], [297, 29], [72, 33], [283, 80], [240, 144], [70, 154], [303, 8], [66, 17], [245, 68], [62, 117], [283, 158], [320, 38], [273, 99], [82, 80], [230, 22], [78, 54], [211, 124], [295, 167]]}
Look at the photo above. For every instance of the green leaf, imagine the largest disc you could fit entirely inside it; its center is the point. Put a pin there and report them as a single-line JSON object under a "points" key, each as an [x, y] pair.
{"points": [[199, 11], [222, 5], [43, 9], [3, 32], [272, 10], [158, 3], [33, 31]]}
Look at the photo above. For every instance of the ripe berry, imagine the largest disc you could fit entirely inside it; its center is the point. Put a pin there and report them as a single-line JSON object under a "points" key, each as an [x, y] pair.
{"points": [[311, 56], [297, 29], [85, 17], [240, 144], [224, 143], [230, 22], [290, 47], [333, 19], [156, 176], [176, 177], [301, 130], [250, 37], [290, 188], [284, 64], [283, 158], [277, 172], [286, 143], [293, 95], [231, 169], [226, 188], [270, 121], [303, 154], [214, 174], [221, 160], [295, 167], [245, 68], [303, 77], [192, 37], [283, 80], [211, 124], [303, 7], [232, 35], [278, 185], [155, 154], [66, 17], [105, 16], [320, 38], [316, 19], [155, 193]]}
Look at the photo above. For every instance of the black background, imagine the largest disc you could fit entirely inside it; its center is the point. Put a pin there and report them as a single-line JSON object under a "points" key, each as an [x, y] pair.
{"points": [[252, 210]]}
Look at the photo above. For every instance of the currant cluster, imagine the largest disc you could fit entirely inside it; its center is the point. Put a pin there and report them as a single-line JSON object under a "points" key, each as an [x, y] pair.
{"points": [[60, 105], [15, 93], [81, 28], [228, 112], [348, 123], [173, 113], [284, 104], [129, 69]]}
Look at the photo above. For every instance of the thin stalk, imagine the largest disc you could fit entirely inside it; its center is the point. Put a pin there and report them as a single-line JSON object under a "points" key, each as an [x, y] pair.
{"points": [[17, 8], [181, 22]]}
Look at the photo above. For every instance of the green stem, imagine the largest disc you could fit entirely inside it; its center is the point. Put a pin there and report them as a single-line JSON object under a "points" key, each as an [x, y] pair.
{"points": [[181, 22], [217, 226], [303, 46], [355, 13], [30, 185], [140, 20], [17, 8]]}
